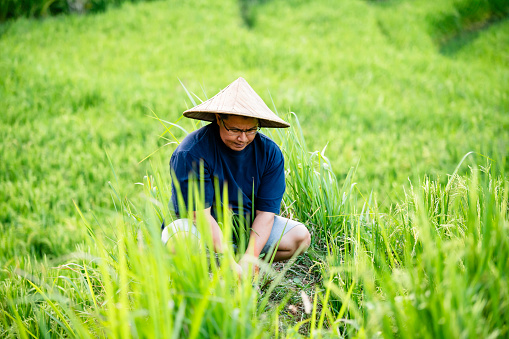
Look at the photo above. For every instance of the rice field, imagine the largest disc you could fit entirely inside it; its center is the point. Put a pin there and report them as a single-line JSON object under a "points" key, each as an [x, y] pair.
{"points": [[396, 161]]}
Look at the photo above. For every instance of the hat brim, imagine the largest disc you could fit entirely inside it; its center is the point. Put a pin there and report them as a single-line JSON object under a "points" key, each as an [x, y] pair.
{"points": [[238, 98], [210, 116]]}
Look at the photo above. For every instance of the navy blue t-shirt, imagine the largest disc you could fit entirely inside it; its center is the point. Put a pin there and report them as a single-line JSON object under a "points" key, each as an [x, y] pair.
{"points": [[257, 172]]}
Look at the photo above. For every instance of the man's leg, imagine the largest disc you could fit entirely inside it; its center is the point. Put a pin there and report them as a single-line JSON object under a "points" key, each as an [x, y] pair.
{"points": [[295, 238]]}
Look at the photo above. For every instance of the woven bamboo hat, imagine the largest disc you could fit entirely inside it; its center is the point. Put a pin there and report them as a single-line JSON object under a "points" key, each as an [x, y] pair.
{"points": [[238, 98]]}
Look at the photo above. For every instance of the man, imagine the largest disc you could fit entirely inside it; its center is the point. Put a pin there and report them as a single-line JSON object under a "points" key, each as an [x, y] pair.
{"points": [[231, 151]]}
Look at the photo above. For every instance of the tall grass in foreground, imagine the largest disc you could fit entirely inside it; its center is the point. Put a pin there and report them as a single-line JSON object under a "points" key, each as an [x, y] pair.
{"points": [[434, 268], [129, 285]]}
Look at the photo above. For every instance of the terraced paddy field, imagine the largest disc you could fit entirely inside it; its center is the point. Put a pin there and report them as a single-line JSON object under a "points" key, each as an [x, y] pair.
{"points": [[409, 235]]}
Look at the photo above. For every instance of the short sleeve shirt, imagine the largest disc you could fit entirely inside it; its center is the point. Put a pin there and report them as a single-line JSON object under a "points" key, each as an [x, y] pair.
{"points": [[254, 176]]}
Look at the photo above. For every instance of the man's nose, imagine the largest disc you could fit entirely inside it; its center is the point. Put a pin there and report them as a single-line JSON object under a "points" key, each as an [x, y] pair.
{"points": [[243, 136]]}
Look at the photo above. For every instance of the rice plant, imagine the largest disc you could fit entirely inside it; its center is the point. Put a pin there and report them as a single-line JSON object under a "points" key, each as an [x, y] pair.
{"points": [[424, 282], [313, 193], [131, 285], [434, 266]]}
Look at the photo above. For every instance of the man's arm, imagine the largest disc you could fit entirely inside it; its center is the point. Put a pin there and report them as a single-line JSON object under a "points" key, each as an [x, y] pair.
{"points": [[217, 238], [260, 232], [217, 234]]}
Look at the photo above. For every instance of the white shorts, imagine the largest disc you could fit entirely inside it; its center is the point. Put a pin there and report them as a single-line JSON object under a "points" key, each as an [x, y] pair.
{"points": [[279, 229]]}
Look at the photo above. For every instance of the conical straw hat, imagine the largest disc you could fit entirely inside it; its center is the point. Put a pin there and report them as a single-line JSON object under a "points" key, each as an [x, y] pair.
{"points": [[237, 99]]}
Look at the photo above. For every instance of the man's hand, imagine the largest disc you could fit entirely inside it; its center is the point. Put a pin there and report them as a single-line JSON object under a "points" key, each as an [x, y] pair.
{"points": [[247, 261], [238, 269]]}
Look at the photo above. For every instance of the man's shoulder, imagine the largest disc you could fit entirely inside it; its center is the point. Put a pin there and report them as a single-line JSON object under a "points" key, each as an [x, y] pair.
{"points": [[268, 144], [196, 141]]}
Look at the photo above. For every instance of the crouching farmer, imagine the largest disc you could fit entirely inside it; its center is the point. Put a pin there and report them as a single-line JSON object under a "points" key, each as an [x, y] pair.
{"points": [[231, 150]]}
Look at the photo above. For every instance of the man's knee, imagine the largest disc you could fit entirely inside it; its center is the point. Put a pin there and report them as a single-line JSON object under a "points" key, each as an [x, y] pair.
{"points": [[301, 237], [178, 227], [304, 238]]}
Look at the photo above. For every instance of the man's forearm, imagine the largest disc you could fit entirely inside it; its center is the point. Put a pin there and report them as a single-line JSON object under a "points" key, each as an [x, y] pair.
{"points": [[217, 234], [215, 230], [217, 240], [260, 232]]}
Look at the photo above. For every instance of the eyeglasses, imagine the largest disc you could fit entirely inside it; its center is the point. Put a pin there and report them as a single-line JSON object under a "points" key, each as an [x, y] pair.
{"points": [[237, 132]]}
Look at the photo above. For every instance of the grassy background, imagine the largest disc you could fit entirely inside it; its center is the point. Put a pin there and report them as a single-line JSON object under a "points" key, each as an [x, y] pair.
{"points": [[374, 81], [364, 78]]}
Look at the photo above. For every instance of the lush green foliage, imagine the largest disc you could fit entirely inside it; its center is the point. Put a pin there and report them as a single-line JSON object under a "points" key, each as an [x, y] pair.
{"points": [[129, 284], [380, 96], [373, 93], [468, 16], [434, 267], [11, 9]]}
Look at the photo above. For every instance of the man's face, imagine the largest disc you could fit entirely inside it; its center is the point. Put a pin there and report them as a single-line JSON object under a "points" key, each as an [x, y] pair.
{"points": [[229, 130]]}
